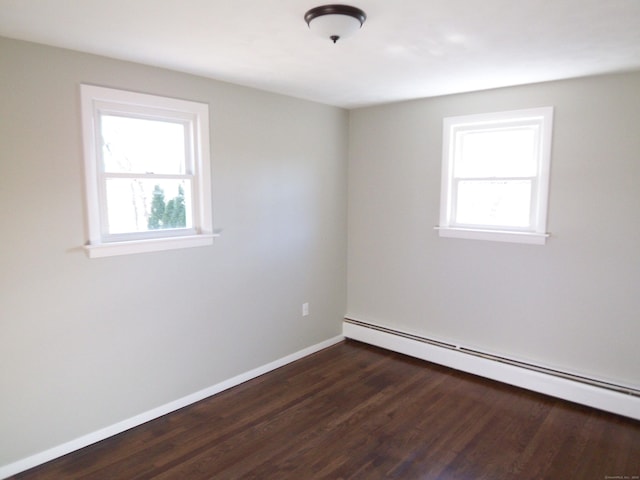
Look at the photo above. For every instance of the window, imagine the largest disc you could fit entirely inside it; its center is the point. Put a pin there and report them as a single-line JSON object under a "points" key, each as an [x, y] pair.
{"points": [[147, 172], [495, 176]]}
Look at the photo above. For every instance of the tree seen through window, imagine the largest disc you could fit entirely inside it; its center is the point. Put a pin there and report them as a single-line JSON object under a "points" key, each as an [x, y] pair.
{"points": [[171, 214]]}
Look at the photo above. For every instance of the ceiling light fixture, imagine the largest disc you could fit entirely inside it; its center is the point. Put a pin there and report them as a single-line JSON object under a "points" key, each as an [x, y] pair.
{"points": [[335, 21]]}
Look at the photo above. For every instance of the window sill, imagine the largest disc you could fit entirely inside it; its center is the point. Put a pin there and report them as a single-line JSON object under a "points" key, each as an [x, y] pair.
{"points": [[494, 235], [149, 245]]}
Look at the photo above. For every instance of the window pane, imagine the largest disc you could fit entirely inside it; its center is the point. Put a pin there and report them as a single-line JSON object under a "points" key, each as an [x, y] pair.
{"points": [[505, 203], [505, 152], [136, 145], [142, 205]]}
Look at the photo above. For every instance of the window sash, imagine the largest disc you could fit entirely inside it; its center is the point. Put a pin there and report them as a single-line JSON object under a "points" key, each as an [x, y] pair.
{"points": [[160, 118], [190, 201], [531, 214], [104, 176], [499, 165]]}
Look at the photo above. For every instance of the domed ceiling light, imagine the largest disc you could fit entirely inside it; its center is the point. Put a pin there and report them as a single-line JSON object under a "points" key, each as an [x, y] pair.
{"points": [[335, 21]]}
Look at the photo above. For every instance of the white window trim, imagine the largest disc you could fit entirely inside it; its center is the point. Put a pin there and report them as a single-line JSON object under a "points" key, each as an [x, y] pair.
{"points": [[94, 101], [493, 235], [149, 245], [537, 235]]}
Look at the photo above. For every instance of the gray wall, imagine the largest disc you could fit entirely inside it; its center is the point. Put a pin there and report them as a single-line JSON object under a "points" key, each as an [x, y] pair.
{"points": [[87, 343], [572, 304]]}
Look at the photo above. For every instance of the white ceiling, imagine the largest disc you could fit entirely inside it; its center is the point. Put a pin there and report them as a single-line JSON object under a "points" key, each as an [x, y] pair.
{"points": [[406, 48]]}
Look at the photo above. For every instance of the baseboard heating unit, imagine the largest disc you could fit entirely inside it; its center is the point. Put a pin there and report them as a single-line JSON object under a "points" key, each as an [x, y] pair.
{"points": [[603, 395]]}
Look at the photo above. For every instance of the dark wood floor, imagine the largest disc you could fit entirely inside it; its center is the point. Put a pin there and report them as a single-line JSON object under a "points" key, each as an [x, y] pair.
{"points": [[355, 411]]}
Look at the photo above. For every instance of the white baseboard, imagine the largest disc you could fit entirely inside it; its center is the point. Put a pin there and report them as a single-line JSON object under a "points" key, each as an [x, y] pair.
{"points": [[625, 404], [91, 438]]}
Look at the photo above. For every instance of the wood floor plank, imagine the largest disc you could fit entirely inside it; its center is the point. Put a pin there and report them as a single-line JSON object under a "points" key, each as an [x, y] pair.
{"points": [[354, 411]]}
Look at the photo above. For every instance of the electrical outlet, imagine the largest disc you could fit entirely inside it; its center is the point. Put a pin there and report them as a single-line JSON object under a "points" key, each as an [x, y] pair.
{"points": [[305, 309]]}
